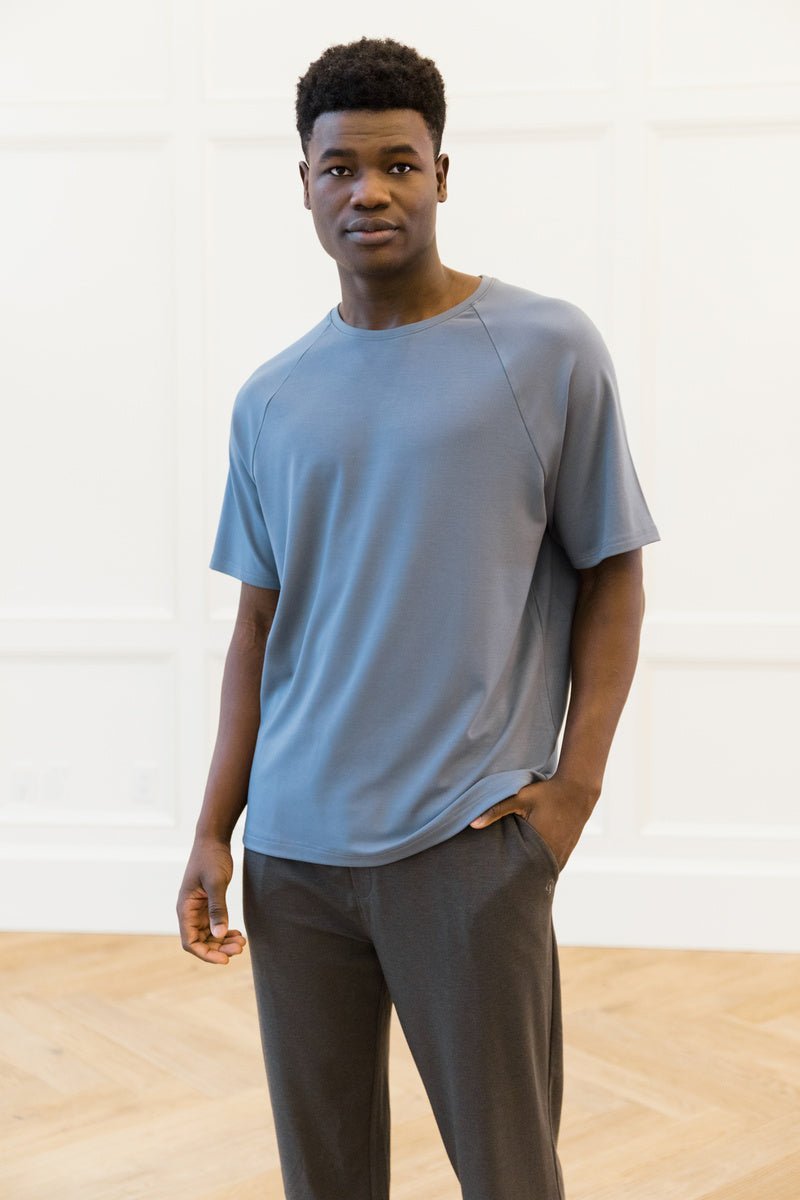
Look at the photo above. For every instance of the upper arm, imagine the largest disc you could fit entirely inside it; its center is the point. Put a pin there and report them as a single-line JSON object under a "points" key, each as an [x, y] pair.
{"points": [[630, 560], [257, 606]]}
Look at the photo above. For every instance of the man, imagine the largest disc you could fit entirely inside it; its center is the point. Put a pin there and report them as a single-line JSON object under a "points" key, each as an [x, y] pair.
{"points": [[432, 508]]}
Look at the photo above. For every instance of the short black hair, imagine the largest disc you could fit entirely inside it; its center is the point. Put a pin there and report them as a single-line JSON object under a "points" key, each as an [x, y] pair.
{"points": [[372, 73]]}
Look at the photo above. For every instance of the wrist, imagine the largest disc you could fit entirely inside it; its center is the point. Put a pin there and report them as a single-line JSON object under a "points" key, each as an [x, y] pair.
{"points": [[211, 835], [584, 792]]}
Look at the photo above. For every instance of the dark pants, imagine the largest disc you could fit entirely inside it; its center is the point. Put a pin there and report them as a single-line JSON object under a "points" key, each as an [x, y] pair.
{"points": [[460, 938]]}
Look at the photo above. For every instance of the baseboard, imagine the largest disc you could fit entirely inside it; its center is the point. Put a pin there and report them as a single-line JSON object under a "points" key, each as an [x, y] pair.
{"points": [[655, 903]]}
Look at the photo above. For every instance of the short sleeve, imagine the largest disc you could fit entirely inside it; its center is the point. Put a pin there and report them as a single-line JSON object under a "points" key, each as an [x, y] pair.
{"points": [[242, 546], [598, 508]]}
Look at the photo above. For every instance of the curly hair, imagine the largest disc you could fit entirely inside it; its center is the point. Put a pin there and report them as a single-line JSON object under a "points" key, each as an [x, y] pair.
{"points": [[373, 73]]}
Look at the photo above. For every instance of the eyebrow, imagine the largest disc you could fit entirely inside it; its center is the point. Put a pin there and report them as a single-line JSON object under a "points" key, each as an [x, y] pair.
{"points": [[338, 152]]}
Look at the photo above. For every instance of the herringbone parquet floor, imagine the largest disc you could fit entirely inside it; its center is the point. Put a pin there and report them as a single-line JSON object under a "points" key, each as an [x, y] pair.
{"points": [[132, 1071]]}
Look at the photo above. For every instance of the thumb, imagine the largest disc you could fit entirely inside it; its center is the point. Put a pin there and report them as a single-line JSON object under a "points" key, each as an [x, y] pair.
{"points": [[218, 917], [509, 804]]}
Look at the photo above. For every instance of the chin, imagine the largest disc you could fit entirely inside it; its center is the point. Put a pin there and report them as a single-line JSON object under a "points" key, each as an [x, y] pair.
{"points": [[372, 264]]}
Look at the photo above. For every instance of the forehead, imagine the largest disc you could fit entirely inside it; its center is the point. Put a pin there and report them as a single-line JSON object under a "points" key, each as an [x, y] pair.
{"points": [[362, 130]]}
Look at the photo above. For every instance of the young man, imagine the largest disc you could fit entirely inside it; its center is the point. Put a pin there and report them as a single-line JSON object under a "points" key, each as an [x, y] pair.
{"points": [[432, 508]]}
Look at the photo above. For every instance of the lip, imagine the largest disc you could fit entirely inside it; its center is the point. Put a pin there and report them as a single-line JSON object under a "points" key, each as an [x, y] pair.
{"points": [[372, 237], [369, 225]]}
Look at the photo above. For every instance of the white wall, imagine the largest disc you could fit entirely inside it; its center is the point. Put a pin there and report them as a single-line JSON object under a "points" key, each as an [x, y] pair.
{"points": [[641, 160]]}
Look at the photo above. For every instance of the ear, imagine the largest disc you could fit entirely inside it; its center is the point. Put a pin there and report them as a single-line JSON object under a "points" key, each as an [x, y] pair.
{"points": [[304, 170], [442, 164]]}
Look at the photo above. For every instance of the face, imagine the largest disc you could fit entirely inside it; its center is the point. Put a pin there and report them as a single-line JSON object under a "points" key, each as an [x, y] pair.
{"points": [[372, 185]]}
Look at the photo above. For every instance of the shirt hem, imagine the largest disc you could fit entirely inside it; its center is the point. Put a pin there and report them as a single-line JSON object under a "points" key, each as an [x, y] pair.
{"points": [[452, 821], [226, 567], [631, 541]]}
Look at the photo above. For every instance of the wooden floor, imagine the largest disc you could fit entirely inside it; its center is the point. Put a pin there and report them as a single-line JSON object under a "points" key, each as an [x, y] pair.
{"points": [[130, 1070]]}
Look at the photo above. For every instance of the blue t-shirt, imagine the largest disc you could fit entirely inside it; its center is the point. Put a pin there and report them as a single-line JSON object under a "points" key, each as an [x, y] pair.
{"points": [[422, 496]]}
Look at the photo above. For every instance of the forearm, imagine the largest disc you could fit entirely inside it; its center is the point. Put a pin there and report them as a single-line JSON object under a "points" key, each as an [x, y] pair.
{"points": [[240, 715], [604, 650]]}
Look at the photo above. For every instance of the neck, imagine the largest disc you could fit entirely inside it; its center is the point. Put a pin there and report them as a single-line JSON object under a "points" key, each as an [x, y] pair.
{"points": [[411, 294]]}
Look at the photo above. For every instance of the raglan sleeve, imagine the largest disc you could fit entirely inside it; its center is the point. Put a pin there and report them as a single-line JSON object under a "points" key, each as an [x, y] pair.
{"points": [[242, 546], [597, 505]]}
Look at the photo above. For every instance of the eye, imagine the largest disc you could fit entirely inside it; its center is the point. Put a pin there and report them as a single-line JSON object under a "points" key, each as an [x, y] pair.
{"points": [[337, 168], [410, 168]]}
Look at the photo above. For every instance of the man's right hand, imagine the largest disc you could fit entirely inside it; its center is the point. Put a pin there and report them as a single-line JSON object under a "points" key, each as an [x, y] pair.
{"points": [[201, 908]]}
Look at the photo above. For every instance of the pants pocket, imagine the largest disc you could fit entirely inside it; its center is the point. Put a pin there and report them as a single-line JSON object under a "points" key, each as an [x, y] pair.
{"points": [[530, 833]]}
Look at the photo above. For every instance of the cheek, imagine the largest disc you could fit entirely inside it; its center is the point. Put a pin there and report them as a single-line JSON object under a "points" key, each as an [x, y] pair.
{"points": [[321, 209], [325, 205], [327, 233], [425, 202], [425, 213]]}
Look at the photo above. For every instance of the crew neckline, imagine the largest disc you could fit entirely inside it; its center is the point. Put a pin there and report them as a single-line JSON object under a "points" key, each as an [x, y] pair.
{"points": [[411, 326]]}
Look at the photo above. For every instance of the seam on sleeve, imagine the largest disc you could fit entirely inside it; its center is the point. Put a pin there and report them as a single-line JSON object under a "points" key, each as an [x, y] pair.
{"points": [[274, 393], [513, 392]]}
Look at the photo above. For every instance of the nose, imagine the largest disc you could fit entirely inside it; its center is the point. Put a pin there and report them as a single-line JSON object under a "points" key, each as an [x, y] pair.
{"points": [[369, 190]]}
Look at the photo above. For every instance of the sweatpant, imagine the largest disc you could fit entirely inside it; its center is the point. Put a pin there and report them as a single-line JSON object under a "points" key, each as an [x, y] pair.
{"points": [[460, 939]]}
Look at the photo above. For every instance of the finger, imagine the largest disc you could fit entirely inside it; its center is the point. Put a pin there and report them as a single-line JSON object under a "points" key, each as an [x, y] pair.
{"points": [[485, 818], [196, 938], [192, 914], [238, 938], [205, 936], [232, 943], [230, 948], [208, 953]]}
